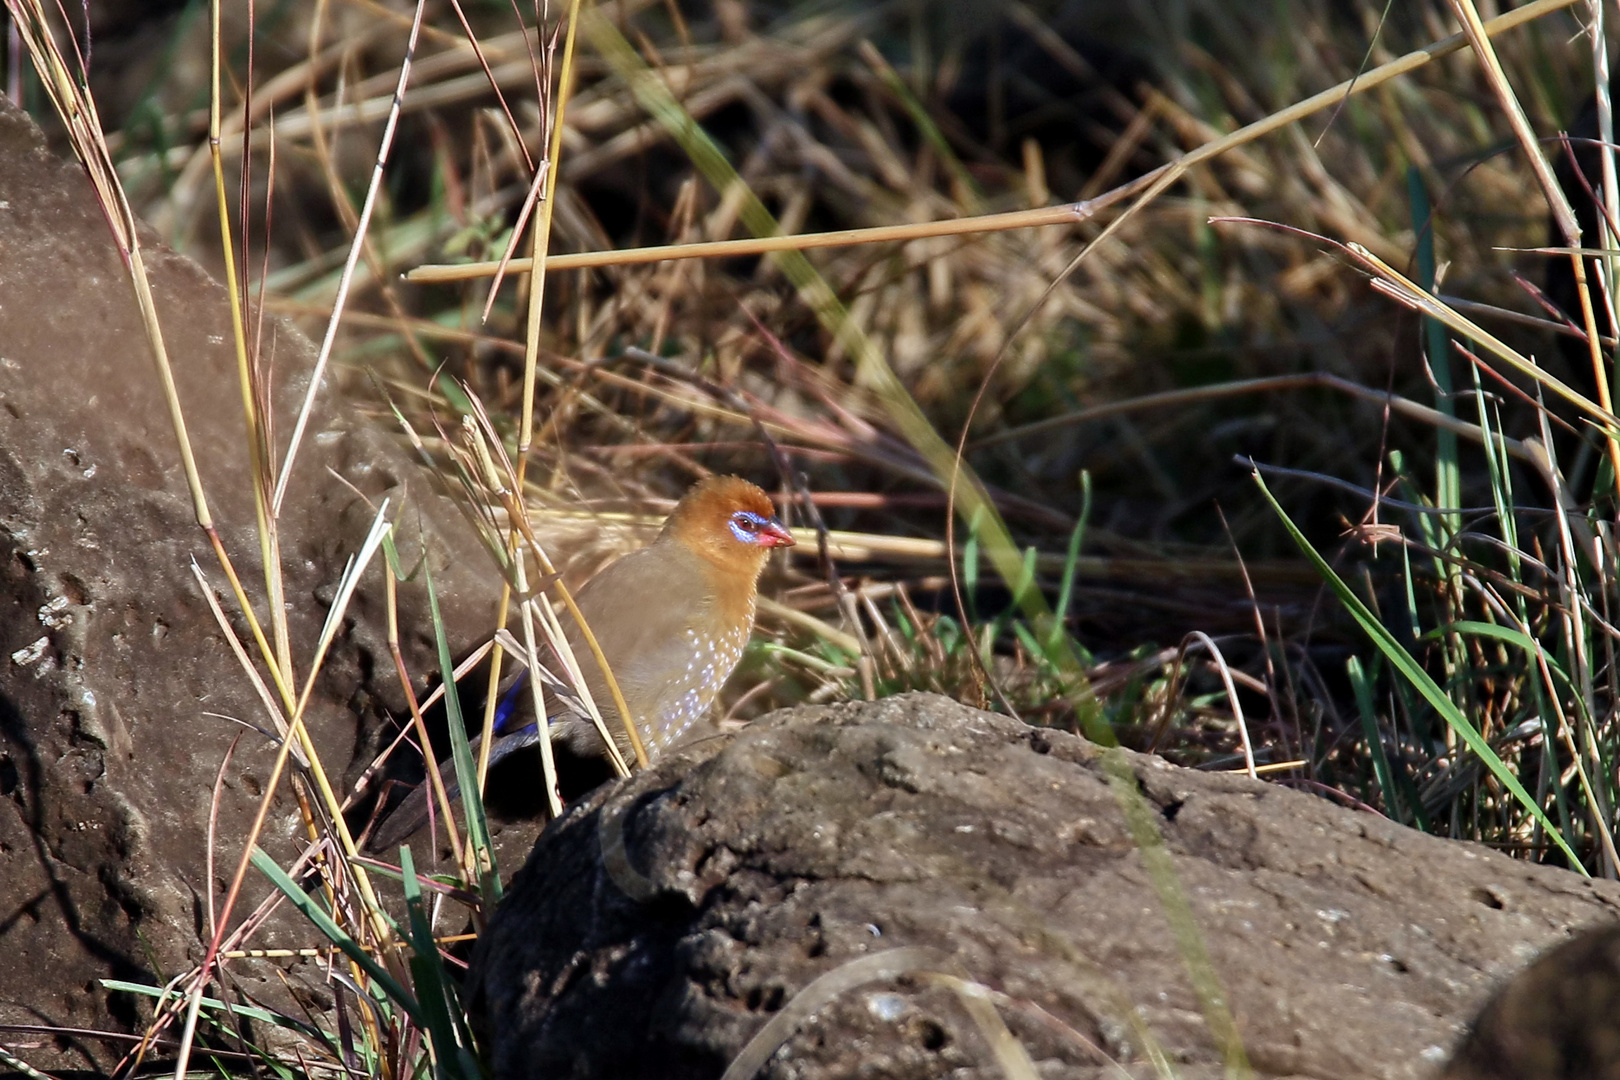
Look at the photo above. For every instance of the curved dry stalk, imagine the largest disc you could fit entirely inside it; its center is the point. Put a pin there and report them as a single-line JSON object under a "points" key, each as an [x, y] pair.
{"points": [[1309, 380], [356, 246], [979, 1001], [500, 485], [276, 714], [435, 776], [540, 240], [260, 451], [300, 735], [1558, 202], [823, 990], [805, 621], [1067, 214], [1200, 638], [1397, 286]]}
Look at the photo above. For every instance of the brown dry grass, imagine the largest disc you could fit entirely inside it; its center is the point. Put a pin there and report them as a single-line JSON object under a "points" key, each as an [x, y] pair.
{"points": [[840, 119]]}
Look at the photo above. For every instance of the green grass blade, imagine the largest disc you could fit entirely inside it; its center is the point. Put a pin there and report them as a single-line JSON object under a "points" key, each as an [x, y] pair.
{"points": [[1448, 483], [1363, 686], [250, 1012], [1403, 662], [1507, 634], [1026, 580], [1071, 558], [472, 799], [336, 934], [970, 566], [427, 972]]}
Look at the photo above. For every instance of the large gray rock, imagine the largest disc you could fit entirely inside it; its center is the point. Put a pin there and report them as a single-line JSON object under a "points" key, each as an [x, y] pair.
{"points": [[662, 922], [112, 670]]}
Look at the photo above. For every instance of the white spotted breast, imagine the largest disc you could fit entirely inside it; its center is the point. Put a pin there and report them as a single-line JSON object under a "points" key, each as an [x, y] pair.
{"points": [[670, 646]]}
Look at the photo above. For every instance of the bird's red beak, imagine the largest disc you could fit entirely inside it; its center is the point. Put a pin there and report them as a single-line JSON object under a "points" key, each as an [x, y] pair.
{"points": [[775, 534]]}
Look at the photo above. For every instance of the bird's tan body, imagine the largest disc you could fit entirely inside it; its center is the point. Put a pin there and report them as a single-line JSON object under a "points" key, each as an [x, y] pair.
{"points": [[672, 620], [654, 613]]}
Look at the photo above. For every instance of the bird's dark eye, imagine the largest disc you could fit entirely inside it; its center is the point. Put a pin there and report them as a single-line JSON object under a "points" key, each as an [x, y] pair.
{"points": [[745, 526]]}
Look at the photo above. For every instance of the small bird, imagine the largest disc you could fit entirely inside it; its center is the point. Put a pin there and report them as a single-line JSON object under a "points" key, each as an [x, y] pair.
{"points": [[672, 620]]}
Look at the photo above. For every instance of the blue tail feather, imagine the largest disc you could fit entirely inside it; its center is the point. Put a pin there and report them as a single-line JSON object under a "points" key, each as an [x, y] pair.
{"points": [[509, 701], [412, 813]]}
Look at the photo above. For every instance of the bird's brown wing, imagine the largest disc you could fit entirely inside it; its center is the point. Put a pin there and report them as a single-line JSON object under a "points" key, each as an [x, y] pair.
{"points": [[645, 611]]}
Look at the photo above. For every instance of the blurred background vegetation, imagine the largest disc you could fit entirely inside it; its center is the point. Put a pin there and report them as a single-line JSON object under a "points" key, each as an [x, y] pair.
{"points": [[1122, 416]]}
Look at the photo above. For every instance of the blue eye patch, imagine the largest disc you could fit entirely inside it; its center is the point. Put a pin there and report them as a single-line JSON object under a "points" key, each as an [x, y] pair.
{"points": [[746, 526]]}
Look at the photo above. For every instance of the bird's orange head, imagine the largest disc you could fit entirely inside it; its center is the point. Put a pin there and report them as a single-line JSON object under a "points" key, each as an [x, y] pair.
{"points": [[729, 522]]}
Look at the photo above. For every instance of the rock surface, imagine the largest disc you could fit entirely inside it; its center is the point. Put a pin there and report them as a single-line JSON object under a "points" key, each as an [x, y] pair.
{"points": [[662, 922], [113, 674]]}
